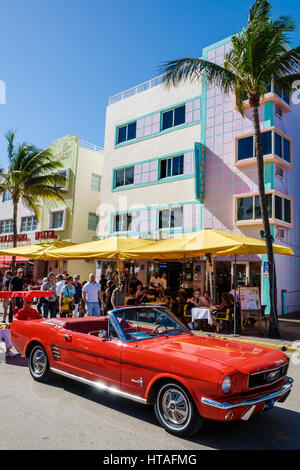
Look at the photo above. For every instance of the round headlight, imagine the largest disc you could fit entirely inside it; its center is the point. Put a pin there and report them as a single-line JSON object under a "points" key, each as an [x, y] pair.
{"points": [[226, 385]]}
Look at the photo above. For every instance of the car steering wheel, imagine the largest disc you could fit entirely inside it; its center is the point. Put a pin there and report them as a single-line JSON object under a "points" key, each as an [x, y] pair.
{"points": [[159, 326]]}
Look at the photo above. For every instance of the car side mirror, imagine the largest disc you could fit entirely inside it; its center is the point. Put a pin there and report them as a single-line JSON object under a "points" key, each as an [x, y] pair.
{"points": [[102, 334]]}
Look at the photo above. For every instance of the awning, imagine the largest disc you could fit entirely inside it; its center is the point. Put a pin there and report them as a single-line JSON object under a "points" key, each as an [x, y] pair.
{"points": [[36, 251]]}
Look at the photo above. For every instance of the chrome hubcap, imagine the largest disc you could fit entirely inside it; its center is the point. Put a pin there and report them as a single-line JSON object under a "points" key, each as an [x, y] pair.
{"points": [[175, 407], [39, 362]]}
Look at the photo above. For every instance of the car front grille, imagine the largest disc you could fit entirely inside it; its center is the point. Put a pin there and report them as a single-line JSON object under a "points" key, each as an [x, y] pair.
{"points": [[267, 377]]}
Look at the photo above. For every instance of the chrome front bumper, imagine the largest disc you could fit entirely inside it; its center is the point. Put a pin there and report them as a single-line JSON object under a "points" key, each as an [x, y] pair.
{"points": [[285, 390]]}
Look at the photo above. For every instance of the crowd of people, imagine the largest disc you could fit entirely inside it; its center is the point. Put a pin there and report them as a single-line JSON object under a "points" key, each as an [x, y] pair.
{"points": [[70, 297]]}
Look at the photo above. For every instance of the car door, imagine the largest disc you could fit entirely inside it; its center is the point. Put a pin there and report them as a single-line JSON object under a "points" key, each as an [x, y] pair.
{"points": [[91, 357]]}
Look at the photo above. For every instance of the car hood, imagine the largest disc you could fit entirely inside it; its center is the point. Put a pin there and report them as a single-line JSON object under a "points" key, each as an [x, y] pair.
{"points": [[246, 358]]}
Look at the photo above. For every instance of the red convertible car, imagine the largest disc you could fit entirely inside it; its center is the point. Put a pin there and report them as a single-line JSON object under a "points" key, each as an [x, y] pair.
{"points": [[147, 354]]}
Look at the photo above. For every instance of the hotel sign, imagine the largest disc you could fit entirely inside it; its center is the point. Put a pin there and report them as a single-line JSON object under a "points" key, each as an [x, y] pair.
{"points": [[10, 238], [45, 235]]}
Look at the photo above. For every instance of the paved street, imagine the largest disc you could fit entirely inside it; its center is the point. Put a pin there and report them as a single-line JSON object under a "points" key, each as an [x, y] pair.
{"points": [[68, 415]]}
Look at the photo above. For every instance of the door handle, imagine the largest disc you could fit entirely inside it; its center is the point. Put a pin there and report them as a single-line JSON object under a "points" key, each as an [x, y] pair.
{"points": [[68, 338]]}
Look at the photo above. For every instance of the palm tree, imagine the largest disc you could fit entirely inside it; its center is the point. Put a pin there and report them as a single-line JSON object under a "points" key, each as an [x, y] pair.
{"points": [[260, 54], [31, 176]]}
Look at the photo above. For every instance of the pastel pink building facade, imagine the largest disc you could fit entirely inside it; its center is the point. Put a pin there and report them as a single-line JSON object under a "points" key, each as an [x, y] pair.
{"points": [[182, 159]]}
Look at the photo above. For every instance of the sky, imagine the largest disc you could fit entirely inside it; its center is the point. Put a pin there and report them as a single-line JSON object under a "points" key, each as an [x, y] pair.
{"points": [[61, 60]]}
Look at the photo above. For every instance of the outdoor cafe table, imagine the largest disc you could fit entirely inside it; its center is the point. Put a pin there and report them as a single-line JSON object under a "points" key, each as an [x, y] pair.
{"points": [[203, 313]]}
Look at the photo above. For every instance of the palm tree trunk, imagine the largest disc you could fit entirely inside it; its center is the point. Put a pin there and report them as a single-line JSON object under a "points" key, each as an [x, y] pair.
{"points": [[15, 232], [274, 327]]}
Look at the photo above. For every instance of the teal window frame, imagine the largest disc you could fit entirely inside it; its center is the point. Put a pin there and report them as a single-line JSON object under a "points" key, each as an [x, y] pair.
{"points": [[119, 170], [161, 132]]}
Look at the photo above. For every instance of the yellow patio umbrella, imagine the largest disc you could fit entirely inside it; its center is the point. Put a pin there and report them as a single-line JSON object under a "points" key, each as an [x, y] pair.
{"points": [[108, 248], [199, 243], [37, 251]]}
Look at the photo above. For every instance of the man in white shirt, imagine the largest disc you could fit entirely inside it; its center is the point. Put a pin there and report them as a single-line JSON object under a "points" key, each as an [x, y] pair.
{"points": [[155, 280], [92, 295], [163, 281], [60, 282]]}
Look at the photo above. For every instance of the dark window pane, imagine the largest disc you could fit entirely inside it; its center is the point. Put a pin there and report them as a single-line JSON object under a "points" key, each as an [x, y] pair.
{"points": [[269, 204], [245, 148], [278, 207], [286, 96], [117, 227], [163, 168], [266, 140], [179, 115], [286, 150], [164, 218], [178, 165], [257, 206], [268, 88], [119, 178], [287, 210], [245, 208], [128, 219], [176, 217], [169, 169], [167, 119], [122, 131], [278, 145], [131, 131], [129, 174]]}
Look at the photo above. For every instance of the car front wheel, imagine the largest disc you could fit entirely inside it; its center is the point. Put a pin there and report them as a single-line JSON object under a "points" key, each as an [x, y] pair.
{"points": [[38, 364], [176, 411]]}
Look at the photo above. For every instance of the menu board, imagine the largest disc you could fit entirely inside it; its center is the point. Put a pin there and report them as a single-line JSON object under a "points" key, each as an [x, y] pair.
{"points": [[249, 298]]}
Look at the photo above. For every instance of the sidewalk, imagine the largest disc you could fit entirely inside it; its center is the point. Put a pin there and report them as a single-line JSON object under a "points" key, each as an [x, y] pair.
{"points": [[289, 328]]}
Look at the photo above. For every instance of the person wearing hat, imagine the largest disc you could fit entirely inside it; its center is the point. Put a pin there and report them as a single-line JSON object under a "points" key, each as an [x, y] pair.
{"points": [[17, 283], [27, 312]]}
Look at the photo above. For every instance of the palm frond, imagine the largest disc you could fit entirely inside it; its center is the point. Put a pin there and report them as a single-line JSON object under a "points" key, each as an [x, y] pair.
{"points": [[191, 69]]}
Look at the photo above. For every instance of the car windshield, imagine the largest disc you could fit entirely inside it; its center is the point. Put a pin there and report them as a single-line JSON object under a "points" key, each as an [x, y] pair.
{"points": [[144, 323]]}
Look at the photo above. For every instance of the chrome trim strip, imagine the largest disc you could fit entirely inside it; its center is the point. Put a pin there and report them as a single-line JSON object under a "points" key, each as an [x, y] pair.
{"points": [[99, 385], [228, 406]]}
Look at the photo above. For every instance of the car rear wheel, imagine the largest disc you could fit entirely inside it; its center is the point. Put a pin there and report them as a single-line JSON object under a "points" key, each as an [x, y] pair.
{"points": [[176, 411], [38, 364]]}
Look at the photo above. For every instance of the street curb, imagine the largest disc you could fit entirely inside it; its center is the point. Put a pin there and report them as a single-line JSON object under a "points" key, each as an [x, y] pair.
{"points": [[280, 347]]}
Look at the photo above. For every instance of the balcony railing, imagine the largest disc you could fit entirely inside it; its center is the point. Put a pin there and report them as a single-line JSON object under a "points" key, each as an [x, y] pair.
{"points": [[88, 146], [135, 90]]}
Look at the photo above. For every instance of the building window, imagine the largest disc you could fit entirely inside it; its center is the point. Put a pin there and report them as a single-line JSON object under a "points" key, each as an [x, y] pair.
{"points": [[282, 209], [6, 196], [57, 220], [171, 166], [284, 95], [272, 144], [127, 132], [248, 208], [95, 183], [278, 207], [7, 226], [282, 148], [29, 224], [171, 218], [124, 177], [122, 222], [93, 221], [173, 117]]}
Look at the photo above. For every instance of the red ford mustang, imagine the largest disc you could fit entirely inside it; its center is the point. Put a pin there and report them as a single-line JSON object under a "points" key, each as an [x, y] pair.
{"points": [[147, 354]]}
